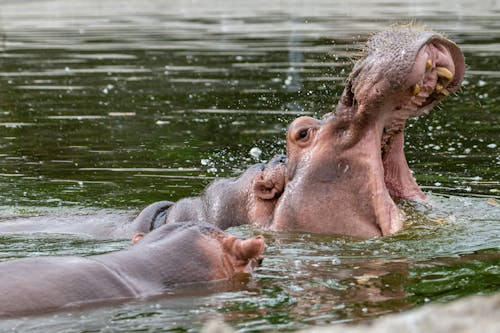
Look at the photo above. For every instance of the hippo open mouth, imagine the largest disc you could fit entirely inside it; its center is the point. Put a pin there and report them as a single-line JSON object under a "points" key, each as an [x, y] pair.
{"points": [[345, 169], [404, 74]]}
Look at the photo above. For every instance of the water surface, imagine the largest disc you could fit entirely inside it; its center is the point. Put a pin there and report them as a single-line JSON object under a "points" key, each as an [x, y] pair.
{"points": [[109, 106]]}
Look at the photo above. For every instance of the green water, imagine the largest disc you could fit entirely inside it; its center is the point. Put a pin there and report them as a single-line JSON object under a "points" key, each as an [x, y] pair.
{"points": [[112, 105]]}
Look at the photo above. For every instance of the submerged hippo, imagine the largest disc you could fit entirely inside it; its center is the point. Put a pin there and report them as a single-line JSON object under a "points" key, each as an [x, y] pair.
{"points": [[172, 255], [226, 202], [345, 169]]}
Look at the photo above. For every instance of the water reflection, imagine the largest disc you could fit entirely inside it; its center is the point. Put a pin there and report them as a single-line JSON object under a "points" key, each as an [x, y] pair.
{"points": [[125, 103]]}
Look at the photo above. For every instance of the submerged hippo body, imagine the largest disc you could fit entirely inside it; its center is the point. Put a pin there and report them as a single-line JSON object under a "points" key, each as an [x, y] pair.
{"points": [[172, 255], [103, 224], [345, 169]]}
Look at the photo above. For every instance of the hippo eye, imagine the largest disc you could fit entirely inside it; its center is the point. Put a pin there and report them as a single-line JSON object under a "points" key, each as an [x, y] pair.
{"points": [[303, 134]]}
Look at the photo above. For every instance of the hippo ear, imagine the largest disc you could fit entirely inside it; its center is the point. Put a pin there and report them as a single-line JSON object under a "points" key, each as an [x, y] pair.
{"points": [[137, 237], [266, 189]]}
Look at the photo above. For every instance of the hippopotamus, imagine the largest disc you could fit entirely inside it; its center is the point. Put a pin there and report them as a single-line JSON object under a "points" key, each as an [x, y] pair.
{"points": [[247, 199], [173, 255], [227, 202], [345, 170]]}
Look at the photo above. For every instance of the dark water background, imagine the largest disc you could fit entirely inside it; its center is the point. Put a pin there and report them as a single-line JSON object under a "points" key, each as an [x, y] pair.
{"points": [[107, 106]]}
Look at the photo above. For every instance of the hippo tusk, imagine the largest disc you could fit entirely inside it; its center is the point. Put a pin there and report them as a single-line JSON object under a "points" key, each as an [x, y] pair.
{"points": [[439, 88], [415, 90], [444, 72], [428, 65]]}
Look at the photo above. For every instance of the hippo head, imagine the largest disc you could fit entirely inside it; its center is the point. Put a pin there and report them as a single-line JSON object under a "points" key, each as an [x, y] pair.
{"points": [[248, 199], [267, 184], [225, 254], [190, 252], [345, 169], [242, 255]]}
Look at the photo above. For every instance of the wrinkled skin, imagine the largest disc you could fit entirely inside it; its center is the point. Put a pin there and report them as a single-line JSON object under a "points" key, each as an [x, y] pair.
{"points": [[172, 255], [345, 169], [228, 202]]}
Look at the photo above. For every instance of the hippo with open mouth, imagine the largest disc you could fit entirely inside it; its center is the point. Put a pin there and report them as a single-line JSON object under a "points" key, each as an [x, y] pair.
{"points": [[345, 169]]}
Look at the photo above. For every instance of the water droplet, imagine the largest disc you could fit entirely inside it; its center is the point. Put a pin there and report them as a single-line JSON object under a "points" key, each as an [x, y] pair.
{"points": [[204, 161], [255, 152], [336, 261], [492, 145]]}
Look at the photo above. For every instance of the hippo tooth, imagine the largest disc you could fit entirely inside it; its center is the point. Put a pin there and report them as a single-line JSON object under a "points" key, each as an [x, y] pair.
{"points": [[428, 64], [444, 73], [444, 92], [438, 96], [415, 90], [439, 87]]}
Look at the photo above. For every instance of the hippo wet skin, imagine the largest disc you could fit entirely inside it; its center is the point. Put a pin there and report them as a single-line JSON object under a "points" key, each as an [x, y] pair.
{"points": [[345, 169], [226, 202], [172, 255]]}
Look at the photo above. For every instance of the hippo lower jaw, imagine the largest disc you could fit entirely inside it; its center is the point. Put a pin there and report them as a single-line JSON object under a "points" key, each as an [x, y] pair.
{"points": [[346, 169]]}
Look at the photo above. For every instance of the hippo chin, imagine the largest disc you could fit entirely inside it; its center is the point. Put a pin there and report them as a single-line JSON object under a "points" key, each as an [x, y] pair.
{"points": [[345, 169], [172, 255]]}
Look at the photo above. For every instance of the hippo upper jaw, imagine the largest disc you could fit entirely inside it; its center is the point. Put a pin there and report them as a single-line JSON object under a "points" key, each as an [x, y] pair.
{"points": [[387, 88], [345, 171]]}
